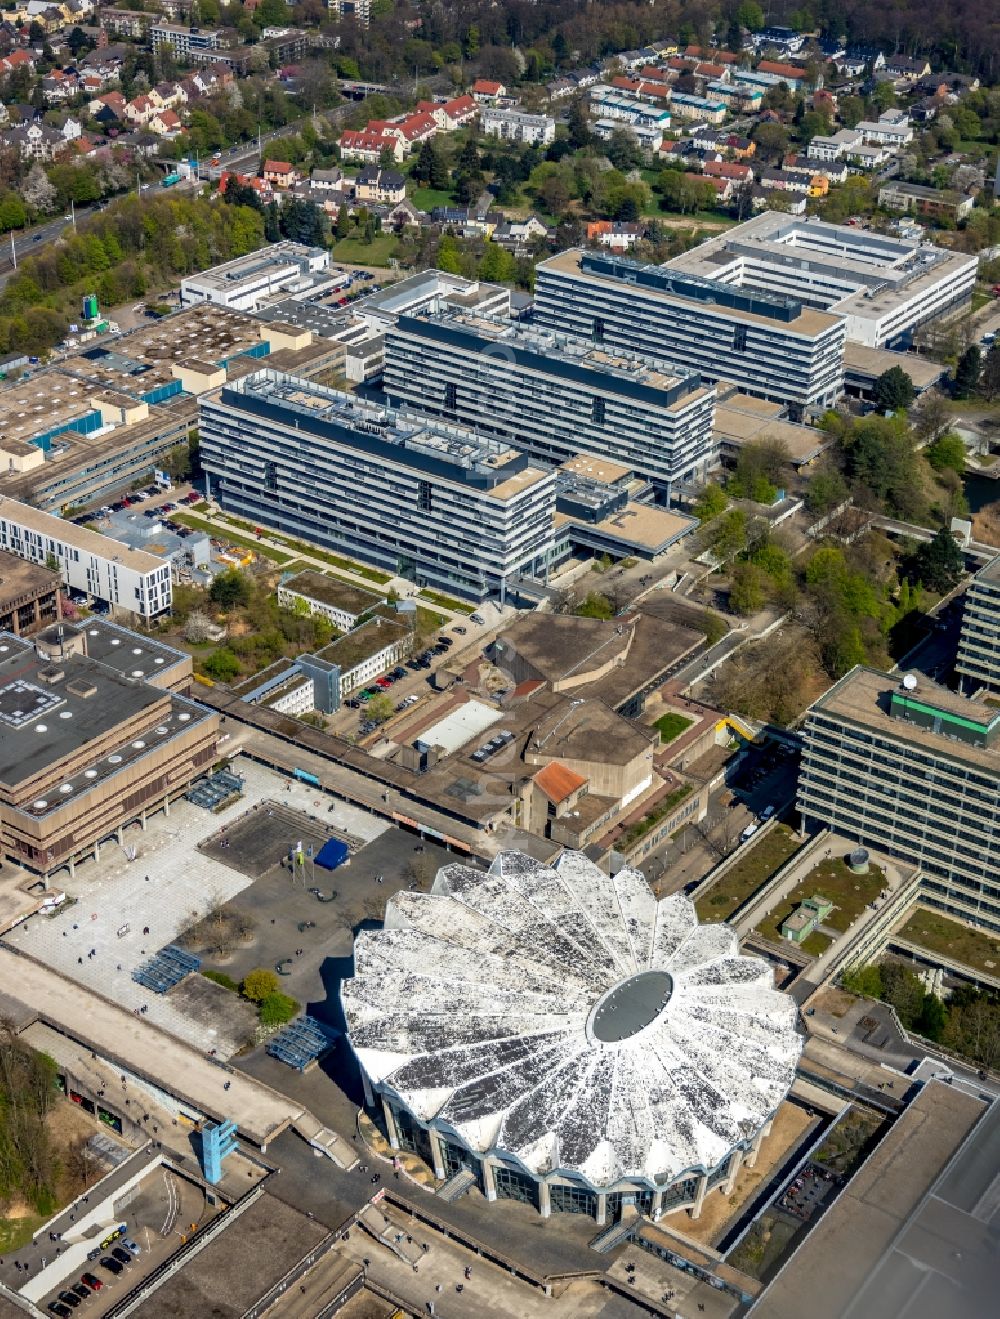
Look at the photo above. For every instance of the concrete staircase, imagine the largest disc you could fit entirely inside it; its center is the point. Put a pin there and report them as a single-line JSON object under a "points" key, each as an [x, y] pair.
{"points": [[457, 1185]]}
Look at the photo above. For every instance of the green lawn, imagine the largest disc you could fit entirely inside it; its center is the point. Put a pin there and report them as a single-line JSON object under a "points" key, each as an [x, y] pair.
{"points": [[427, 198], [952, 939], [446, 602], [671, 725], [356, 252], [755, 867], [231, 537], [17, 1232], [833, 879], [303, 547], [816, 944]]}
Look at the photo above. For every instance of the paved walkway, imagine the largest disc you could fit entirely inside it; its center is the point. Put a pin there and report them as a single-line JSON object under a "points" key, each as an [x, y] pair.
{"points": [[132, 1043], [167, 885]]}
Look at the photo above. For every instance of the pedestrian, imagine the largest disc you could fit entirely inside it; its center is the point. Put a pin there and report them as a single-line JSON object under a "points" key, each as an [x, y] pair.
{"points": [[227, 1085]]}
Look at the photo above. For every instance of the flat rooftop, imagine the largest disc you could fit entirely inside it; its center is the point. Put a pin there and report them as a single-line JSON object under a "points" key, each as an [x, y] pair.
{"points": [[333, 591], [862, 697], [593, 468], [869, 273], [352, 649], [203, 331], [914, 1233], [227, 277], [131, 654], [534, 348], [81, 538], [459, 452], [19, 578], [737, 425], [45, 401], [861, 360], [649, 527], [417, 290], [716, 298]]}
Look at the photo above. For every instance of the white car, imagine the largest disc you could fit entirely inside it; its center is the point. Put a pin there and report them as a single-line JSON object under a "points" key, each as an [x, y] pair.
{"points": [[748, 832]]}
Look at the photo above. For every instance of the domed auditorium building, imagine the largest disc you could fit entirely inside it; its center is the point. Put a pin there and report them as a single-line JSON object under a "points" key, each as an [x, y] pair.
{"points": [[568, 1039]]}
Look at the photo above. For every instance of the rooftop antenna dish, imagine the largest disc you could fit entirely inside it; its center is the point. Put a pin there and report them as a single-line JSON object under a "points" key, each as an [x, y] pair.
{"points": [[910, 683]]}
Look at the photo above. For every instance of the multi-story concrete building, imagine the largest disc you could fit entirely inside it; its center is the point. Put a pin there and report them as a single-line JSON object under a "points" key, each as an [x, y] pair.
{"points": [[978, 659], [105, 569], [933, 203], [912, 770], [90, 742], [186, 43], [516, 126], [553, 395], [882, 287], [770, 345], [29, 596], [242, 284], [436, 504]]}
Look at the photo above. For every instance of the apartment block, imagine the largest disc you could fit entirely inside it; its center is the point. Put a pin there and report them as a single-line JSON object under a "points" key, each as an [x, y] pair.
{"points": [[978, 660], [553, 395], [434, 503], [130, 580], [186, 43], [883, 288], [912, 770], [769, 345], [516, 126]]}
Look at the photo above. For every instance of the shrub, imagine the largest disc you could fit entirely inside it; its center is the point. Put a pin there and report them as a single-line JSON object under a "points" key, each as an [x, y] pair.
{"points": [[220, 978], [276, 1009]]}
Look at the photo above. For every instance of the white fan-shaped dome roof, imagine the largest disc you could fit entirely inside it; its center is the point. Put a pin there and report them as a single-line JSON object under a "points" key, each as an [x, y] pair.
{"points": [[569, 1018]]}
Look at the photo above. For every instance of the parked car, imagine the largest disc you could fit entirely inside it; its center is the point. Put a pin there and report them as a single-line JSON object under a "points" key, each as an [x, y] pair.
{"points": [[111, 1265], [70, 1299], [60, 1310], [460, 629], [121, 1255], [767, 812], [748, 832], [129, 1244], [476, 618], [92, 1281], [78, 1289]]}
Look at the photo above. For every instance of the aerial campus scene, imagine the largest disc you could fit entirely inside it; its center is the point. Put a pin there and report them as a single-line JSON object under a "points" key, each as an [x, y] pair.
{"points": [[499, 659]]}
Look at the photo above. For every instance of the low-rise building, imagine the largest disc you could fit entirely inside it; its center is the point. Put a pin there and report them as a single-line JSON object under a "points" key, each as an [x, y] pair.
{"points": [[333, 598], [385, 186], [932, 203], [516, 126], [241, 284], [131, 581]]}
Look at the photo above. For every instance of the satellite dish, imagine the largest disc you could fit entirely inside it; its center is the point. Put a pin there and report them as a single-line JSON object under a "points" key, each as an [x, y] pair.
{"points": [[910, 683]]}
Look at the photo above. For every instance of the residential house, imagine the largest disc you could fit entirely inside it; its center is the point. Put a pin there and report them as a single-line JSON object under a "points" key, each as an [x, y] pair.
{"points": [[824, 102], [781, 180], [892, 129], [140, 110], [560, 88], [793, 202], [835, 146], [618, 235], [485, 91], [734, 171], [449, 115], [379, 185], [280, 174], [857, 58], [790, 74], [59, 86], [931, 203], [404, 215], [35, 141], [517, 235], [368, 148], [17, 59], [327, 180], [165, 123], [515, 126], [906, 69], [71, 129]]}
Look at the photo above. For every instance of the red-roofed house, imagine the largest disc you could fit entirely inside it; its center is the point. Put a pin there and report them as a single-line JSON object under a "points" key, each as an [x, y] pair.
{"points": [[788, 73], [460, 110], [712, 71], [723, 187], [17, 59], [139, 110], [716, 56], [560, 784], [618, 235], [359, 144], [727, 169], [484, 91], [166, 123], [280, 173], [653, 91], [416, 128], [653, 74], [259, 186]]}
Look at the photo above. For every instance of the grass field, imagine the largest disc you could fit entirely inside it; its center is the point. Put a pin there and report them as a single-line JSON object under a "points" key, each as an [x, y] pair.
{"points": [[232, 537], [939, 934], [833, 878], [756, 865], [356, 252], [671, 725], [446, 602], [425, 199]]}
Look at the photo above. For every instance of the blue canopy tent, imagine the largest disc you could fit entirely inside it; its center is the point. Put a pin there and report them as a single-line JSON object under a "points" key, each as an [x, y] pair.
{"points": [[332, 854]]}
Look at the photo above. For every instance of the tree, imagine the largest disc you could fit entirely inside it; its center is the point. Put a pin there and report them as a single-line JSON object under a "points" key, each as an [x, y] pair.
{"points": [[449, 255], [938, 563], [746, 589], [223, 666], [750, 15], [258, 984], [230, 589], [893, 390], [825, 491], [711, 502], [595, 605], [497, 266], [967, 372], [932, 1019], [947, 452], [578, 124], [989, 381], [343, 225], [37, 191], [380, 708], [728, 537], [760, 468], [772, 141]]}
